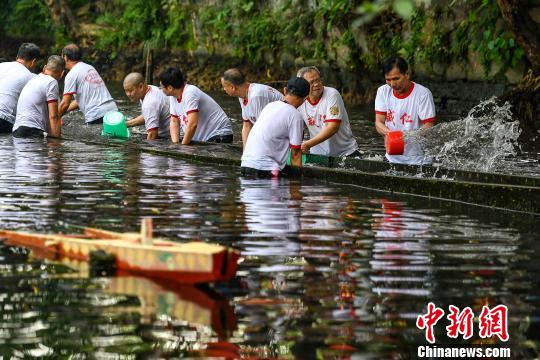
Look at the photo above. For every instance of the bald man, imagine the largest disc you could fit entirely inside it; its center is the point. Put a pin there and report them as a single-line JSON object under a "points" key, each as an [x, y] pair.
{"points": [[253, 97], [84, 82], [154, 106], [37, 108]]}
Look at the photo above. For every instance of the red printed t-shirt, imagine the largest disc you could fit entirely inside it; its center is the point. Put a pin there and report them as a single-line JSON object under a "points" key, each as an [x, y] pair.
{"points": [[212, 119], [406, 112], [93, 98], [329, 108]]}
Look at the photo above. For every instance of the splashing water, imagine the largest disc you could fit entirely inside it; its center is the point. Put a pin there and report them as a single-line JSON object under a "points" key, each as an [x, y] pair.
{"points": [[479, 142]]}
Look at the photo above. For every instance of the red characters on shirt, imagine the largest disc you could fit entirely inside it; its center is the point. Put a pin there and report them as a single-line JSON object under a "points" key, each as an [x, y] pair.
{"points": [[390, 116], [183, 119], [311, 121], [405, 118], [93, 77]]}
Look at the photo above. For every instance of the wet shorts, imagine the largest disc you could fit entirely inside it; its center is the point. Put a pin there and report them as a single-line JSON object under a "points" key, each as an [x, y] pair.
{"points": [[258, 174], [96, 122], [5, 126], [221, 139], [26, 132]]}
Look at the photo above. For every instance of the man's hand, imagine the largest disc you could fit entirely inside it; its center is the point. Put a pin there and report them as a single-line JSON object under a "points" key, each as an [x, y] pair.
{"points": [[305, 147]]}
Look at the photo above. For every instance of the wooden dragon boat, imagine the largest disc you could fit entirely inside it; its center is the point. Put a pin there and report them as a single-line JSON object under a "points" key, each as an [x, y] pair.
{"points": [[138, 253]]}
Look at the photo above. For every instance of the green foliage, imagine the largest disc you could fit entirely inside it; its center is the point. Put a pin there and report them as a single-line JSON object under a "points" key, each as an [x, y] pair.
{"points": [[404, 8], [357, 34], [238, 24], [26, 18], [258, 33], [152, 23], [422, 39], [479, 32]]}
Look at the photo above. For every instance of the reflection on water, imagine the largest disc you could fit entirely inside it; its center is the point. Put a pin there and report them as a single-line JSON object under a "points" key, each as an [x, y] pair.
{"points": [[269, 207], [328, 270]]}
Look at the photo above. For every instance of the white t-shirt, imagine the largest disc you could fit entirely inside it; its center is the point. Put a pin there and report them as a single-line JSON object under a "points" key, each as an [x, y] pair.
{"points": [[278, 127], [33, 105], [155, 110], [93, 98], [258, 97], [13, 77], [212, 119], [329, 108], [406, 113]]}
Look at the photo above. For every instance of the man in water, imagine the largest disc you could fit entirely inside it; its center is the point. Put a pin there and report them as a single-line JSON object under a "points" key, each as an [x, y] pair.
{"points": [[13, 77], [403, 105], [278, 128], [253, 97], [37, 109], [154, 106], [326, 119], [84, 82], [200, 116]]}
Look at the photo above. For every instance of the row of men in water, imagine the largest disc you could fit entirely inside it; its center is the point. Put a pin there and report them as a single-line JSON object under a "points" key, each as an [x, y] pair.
{"points": [[273, 122]]}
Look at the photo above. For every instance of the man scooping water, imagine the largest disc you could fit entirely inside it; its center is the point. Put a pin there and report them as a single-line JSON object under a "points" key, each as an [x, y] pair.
{"points": [[403, 105]]}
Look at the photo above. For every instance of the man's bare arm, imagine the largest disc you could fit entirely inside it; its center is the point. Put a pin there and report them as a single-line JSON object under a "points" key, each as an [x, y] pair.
{"points": [[427, 125], [327, 132], [152, 134], [175, 129], [136, 121], [246, 128], [65, 105], [54, 125], [193, 121], [296, 157], [380, 124]]}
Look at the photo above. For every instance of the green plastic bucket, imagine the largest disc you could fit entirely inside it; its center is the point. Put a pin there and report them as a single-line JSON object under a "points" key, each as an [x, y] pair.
{"points": [[114, 125]]}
